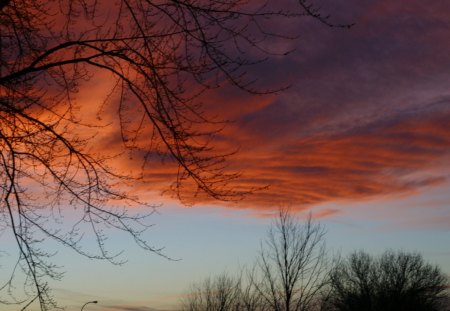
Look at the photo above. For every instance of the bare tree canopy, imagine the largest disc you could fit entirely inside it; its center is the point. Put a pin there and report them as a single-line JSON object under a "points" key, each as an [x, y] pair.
{"points": [[395, 281], [223, 293], [161, 55], [220, 293], [292, 265]]}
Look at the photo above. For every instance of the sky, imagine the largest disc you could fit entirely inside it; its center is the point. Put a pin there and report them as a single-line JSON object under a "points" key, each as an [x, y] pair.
{"points": [[361, 139]]}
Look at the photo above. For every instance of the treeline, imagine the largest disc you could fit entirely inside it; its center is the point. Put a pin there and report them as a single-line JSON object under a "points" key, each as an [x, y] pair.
{"points": [[293, 272]]}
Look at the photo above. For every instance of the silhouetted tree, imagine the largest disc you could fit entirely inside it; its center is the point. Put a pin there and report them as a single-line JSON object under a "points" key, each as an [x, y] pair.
{"points": [[221, 293], [250, 298], [224, 293], [395, 281], [292, 264], [161, 55]]}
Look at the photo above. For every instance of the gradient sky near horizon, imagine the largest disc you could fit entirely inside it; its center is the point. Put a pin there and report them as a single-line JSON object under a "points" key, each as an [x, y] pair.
{"points": [[361, 139]]}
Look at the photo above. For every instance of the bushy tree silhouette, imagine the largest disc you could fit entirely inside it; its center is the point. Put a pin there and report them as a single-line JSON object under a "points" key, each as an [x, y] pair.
{"points": [[397, 281]]}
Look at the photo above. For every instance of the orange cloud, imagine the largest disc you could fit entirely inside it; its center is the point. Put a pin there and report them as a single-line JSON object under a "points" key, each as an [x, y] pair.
{"points": [[379, 159]]}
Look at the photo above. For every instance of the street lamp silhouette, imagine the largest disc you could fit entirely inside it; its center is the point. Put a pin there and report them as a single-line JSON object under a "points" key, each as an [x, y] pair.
{"points": [[95, 301]]}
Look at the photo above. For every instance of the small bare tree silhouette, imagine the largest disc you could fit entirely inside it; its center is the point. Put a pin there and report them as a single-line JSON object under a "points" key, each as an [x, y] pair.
{"points": [[292, 264]]}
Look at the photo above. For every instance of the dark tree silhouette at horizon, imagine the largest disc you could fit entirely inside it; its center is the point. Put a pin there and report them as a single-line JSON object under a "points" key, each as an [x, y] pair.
{"points": [[291, 269], [394, 281]]}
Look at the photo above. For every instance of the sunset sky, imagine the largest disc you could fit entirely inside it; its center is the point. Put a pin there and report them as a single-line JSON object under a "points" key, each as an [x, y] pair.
{"points": [[361, 139]]}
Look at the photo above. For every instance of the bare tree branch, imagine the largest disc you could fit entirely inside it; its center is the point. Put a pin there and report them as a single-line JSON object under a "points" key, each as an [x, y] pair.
{"points": [[292, 264], [162, 56]]}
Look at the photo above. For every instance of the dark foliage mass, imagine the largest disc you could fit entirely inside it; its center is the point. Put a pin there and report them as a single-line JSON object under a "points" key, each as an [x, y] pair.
{"points": [[394, 281]]}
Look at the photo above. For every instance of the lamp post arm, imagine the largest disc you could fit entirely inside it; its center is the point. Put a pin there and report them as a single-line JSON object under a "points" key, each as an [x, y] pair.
{"points": [[94, 301]]}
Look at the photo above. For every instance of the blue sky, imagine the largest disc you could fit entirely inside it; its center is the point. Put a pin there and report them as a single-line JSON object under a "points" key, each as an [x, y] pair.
{"points": [[210, 240]]}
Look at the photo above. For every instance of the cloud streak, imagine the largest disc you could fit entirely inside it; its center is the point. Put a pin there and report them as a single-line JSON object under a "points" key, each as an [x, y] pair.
{"points": [[395, 155]]}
